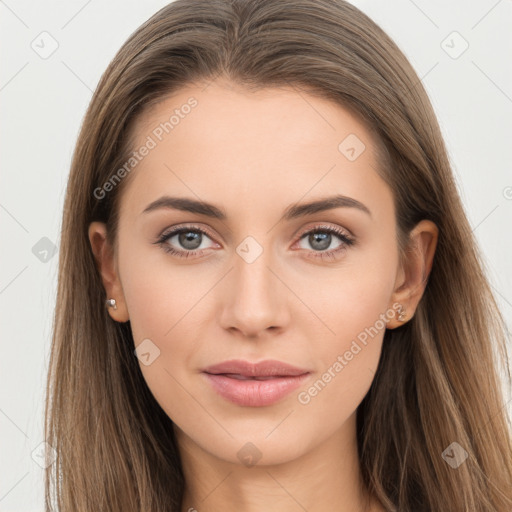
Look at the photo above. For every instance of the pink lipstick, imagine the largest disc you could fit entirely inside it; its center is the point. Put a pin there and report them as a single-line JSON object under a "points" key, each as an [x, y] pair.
{"points": [[254, 384]]}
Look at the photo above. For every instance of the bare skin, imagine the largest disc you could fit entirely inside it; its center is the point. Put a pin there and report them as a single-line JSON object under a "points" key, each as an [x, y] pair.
{"points": [[253, 154]]}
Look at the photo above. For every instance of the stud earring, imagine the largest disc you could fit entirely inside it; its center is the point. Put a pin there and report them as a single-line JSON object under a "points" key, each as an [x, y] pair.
{"points": [[401, 313], [111, 303]]}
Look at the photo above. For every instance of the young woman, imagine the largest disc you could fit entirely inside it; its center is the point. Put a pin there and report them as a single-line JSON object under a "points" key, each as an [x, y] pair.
{"points": [[270, 297]]}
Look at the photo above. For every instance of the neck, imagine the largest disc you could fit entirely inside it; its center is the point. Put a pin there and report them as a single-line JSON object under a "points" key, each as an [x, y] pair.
{"points": [[323, 477]]}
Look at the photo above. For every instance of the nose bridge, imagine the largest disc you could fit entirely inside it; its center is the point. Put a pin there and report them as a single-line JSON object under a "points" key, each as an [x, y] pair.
{"points": [[255, 300]]}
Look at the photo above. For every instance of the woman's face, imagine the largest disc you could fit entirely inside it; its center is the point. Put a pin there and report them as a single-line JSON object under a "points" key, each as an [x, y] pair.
{"points": [[256, 276]]}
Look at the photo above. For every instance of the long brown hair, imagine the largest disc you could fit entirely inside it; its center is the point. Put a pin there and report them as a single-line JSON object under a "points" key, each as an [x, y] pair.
{"points": [[437, 382]]}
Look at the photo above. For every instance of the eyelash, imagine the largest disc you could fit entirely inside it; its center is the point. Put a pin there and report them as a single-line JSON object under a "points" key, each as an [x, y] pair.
{"points": [[346, 240]]}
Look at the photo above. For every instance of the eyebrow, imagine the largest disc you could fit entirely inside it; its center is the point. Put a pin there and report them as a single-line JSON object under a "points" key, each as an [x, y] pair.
{"points": [[292, 212]]}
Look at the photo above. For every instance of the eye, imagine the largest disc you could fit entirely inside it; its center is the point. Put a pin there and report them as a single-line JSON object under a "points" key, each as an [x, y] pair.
{"points": [[321, 238], [190, 239]]}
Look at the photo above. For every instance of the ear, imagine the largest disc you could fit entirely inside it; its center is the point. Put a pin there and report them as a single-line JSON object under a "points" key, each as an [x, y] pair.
{"points": [[414, 271], [106, 262]]}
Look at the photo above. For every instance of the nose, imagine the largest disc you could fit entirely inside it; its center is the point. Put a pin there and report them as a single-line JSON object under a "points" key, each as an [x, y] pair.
{"points": [[254, 298]]}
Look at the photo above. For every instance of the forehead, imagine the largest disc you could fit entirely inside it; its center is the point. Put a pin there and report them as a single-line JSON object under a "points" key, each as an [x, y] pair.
{"points": [[223, 106], [220, 139]]}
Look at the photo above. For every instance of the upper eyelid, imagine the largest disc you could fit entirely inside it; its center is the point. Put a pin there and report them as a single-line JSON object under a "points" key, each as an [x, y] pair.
{"points": [[324, 226], [174, 230]]}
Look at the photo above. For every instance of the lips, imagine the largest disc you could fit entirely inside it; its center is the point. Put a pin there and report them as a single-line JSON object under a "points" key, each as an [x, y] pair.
{"points": [[267, 368], [254, 384]]}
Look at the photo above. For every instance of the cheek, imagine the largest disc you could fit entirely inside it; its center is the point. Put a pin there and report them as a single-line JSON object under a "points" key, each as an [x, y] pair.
{"points": [[346, 359], [353, 306], [158, 295], [161, 305], [352, 299], [165, 308]]}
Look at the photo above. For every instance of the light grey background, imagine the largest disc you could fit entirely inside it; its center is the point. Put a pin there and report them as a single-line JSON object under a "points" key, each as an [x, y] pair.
{"points": [[43, 101]]}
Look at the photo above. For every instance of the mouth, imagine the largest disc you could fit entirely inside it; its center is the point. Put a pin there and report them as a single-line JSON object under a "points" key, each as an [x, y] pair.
{"points": [[237, 368], [254, 385]]}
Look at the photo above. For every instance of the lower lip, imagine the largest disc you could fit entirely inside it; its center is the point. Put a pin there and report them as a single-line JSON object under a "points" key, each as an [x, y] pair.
{"points": [[254, 393]]}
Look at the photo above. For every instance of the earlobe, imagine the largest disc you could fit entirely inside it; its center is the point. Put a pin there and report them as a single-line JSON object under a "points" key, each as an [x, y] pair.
{"points": [[416, 269], [106, 264]]}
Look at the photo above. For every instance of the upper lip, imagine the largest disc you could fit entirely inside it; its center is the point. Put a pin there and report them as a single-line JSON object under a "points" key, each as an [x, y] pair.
{"points": [[267, 368]]}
